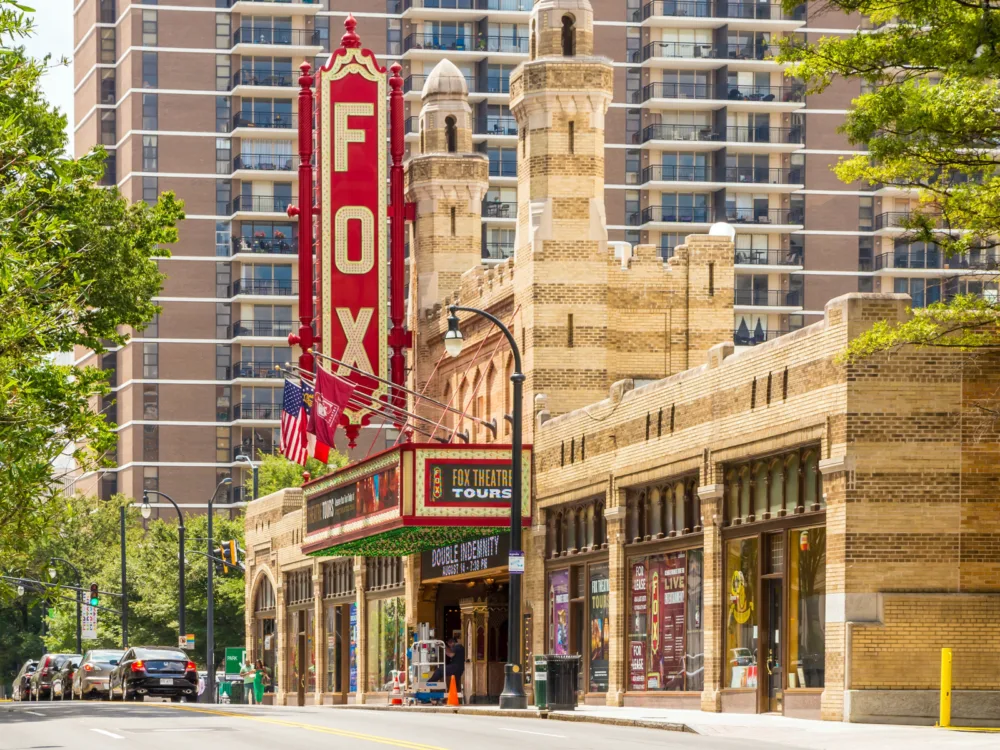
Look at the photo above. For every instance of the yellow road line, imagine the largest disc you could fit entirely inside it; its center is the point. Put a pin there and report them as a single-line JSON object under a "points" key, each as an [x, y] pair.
{"points": [[312, 728]]}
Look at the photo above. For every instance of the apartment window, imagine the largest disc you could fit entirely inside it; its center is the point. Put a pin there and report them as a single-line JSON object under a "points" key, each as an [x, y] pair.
{"points": [[150, 112], [632, 10], [633, 124], [222, 445], [149, 30], [222, 31], [633, 83], [150, 442], [632, 206], [866, 214], [223, 278], [150, 190], [107, 46], [922, 292], [108, 88], [632, 166], [150, 361], [150, 64], [223, 400], [150, 478], [223, 197], [150, 147], [223, 238], [633, 44], [669, 241], [632, 236], [223, 155], [797, 209], [223, 73], [110, 176], [223, 361], [865, 253], [150, 401], [394, 37], [152, 330], [108, 127], [107, 11], [223, 319], [222, 114], [865, 284]]}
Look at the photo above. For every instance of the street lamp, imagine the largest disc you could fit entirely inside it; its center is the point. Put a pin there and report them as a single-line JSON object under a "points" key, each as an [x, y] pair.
{"points": [[210, 625], [79, 583], [244, 458], [513, 687], [146, 511]]}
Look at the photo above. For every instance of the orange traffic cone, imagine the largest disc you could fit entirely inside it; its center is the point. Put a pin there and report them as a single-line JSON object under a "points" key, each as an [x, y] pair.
{"points": [[452, 692], [396, 697]]}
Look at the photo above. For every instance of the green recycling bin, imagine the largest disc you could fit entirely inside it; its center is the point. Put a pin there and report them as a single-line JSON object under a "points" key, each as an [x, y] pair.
{"points": [[541, 683]]}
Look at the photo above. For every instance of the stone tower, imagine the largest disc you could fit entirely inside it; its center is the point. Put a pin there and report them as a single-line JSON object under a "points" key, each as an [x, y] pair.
{"points": [[560, 97], [447, 181]]}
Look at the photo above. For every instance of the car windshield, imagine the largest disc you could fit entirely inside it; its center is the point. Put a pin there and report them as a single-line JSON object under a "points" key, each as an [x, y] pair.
{"points": [[61, 659], [149, 653], [105, 657]]}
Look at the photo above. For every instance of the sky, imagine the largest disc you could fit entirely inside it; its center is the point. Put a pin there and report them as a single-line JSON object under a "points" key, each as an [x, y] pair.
{"points": [[54, 36]]}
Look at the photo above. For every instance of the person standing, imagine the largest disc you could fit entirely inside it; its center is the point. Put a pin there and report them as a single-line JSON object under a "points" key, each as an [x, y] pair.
{"points": [[248, 673], [259, 678]]}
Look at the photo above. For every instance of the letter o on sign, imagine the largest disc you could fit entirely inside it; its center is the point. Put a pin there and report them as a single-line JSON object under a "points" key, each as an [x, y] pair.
{"points": [[344, 215]]}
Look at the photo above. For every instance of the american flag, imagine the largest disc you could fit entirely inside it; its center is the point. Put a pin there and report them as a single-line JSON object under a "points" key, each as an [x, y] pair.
{"points": [[293, 424]]}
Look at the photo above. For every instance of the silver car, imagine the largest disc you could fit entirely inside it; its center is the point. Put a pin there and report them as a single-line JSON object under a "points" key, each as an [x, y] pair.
{"points": [[91, 679]]}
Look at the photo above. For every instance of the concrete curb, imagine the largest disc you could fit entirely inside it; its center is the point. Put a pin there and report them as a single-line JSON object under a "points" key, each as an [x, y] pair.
{"points": [[526, 714]]}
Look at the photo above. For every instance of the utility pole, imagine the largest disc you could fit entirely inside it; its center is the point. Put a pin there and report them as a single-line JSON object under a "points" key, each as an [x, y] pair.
{"points": [[210, 625], [121, 517]]}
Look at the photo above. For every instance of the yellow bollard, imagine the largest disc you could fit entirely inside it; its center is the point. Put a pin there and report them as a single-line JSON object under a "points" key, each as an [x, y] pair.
{"points": [[944, 720]]}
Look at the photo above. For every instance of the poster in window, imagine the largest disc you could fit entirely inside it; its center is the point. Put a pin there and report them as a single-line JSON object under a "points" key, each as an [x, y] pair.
{"points": [[653, 673], [639, 613], [672, 621], [599, 587], [353, 649], [559, 606], [637, 665]]}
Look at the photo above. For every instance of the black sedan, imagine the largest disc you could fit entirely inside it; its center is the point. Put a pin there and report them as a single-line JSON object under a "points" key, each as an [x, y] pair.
{"points": [[22, 683], [62, 679], [156, 671]]}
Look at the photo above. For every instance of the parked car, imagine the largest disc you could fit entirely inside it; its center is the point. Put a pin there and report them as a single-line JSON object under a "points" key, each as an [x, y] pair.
{"points": [[156, 671], [41, 678], [62, 679], [22, 683], [91, 679]]}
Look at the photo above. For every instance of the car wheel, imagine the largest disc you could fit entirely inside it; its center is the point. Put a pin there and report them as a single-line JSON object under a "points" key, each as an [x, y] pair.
{"points": [[175, 699]]}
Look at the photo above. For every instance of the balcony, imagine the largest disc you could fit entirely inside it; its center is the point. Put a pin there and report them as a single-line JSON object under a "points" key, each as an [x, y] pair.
{"points": [[262, 204], [252, 39], [437, 42], [759, 51], [503, 168], [899, 220], [743, 336], [671, 215], [755, 176], [305, 7], [257, 370], [497, 250], [500, 125], [676, 173], [264, 328], [265, 163], [411, 125], [250, 81], [257, 412], [265, 245], [679, 50], [768, 257], [767, 298], [671, 132], [672, 90], [499, 209], [766, 136], [503, 6], [762, 216], [265, 121], [766, 94], [264, 288], [746, 11]]}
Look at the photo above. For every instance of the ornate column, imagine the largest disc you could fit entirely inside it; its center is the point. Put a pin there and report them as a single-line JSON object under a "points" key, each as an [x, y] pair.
{"points": [[359, 650], [615, 513], [713, 620], [280, 629], [319, 641]]}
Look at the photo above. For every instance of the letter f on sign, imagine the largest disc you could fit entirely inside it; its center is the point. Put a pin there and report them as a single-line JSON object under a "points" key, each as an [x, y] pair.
{"points": [[342, 135]]}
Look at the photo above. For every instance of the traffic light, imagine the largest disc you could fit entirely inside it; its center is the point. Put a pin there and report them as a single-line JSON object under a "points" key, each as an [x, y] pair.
{"points": [[94, 598], [222, 555], [233, 560], [227, 552]]}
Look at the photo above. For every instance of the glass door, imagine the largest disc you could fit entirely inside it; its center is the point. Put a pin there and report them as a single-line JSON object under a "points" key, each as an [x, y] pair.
{"points": [[775, 670]]}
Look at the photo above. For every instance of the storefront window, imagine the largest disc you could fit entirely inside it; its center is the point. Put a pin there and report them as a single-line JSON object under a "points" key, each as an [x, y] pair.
{"points": [[311, 651], [741, 613], [559, 609], [353, 665], [807, 607], [599, 587], [666, 644], [386, 642], [334, 649]]}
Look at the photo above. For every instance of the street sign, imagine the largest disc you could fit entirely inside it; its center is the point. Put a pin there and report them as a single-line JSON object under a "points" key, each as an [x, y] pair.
{"points": [[235, 659], [88, 622], [515, 562], [186, 642]]}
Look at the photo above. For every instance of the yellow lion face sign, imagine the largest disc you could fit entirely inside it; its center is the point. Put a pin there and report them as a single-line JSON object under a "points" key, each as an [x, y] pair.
{"points": [[739, 608]]}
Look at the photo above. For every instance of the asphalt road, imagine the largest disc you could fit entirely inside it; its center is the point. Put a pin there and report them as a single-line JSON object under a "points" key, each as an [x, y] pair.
{"points": [[163, 726]]}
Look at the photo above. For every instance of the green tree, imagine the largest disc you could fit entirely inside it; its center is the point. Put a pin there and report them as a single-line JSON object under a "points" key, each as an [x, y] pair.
{"points": [[929, 120], [77, 269], [277, 472]]}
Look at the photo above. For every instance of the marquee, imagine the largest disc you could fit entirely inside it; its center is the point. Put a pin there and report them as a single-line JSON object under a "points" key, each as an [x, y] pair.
{"points": [[412, 498]]}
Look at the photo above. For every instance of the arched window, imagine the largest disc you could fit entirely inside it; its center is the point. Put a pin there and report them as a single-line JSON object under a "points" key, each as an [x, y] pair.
{"points": [[568, 36], [451, 134], [265, 600]]}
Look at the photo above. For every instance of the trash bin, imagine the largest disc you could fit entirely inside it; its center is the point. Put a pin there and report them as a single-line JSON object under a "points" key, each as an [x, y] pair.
{"points": [[541, 683], [563, 677]]}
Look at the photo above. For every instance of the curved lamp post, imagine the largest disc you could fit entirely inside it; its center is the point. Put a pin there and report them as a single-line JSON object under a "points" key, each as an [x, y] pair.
{"points": [[147, 511], [513, 687], [210, 625], [79, 583]]}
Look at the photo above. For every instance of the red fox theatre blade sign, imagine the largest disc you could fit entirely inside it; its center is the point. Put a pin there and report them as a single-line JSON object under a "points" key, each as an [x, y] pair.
{"points": [[353, 247]]}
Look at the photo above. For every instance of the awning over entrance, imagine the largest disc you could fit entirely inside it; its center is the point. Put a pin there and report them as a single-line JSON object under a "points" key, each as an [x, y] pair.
{"points": [[412, 498]]}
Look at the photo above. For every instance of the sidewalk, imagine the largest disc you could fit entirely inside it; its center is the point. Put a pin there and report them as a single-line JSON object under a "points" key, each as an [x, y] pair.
{"points": [[773, 731]]}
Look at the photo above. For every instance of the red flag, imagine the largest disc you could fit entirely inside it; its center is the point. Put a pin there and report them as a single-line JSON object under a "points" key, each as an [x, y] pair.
{"points": [[316, 449], [330, 401]]}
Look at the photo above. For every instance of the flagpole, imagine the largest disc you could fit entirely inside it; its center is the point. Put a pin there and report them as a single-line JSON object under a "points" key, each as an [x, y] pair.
{"points": [[490, 425]]}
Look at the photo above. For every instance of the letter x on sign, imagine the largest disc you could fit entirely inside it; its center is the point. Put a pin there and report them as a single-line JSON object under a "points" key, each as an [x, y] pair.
{"points": [[355, 330]]}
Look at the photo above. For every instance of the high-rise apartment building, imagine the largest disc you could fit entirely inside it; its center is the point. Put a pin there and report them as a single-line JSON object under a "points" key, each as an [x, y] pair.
{"points": [[199, 97]]}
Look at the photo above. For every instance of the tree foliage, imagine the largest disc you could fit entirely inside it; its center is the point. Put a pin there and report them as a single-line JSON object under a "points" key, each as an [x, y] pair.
{"points": [[929, 119], [77, 269], [277, 472]]}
